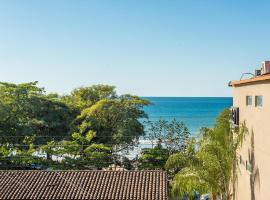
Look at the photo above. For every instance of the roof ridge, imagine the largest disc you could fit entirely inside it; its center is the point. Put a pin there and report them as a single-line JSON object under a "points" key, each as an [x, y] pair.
{"points": [[82, 171]]}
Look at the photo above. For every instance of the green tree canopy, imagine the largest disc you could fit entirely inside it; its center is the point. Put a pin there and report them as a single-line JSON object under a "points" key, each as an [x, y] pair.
{"points": [[115, 121], [167, 137], [153, 158], [84, 128], [84, 97], [173, 135], [25, 110]]}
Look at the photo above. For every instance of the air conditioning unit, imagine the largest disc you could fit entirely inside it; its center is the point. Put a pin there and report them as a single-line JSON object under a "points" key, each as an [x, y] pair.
{"points": [[235, 116]]}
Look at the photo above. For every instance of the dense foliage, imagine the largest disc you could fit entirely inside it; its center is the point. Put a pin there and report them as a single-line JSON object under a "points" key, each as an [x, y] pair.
{"points": [[92, 126], [153, 158], [26, 112], [167, 138], [209, 163], [84, 129]]}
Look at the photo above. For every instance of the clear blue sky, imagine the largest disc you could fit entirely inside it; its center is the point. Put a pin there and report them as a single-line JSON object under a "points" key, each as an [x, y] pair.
{"points": [[144, 47]]}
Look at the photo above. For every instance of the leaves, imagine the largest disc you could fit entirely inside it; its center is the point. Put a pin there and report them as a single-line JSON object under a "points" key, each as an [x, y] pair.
{"points": [[84, 97], [98, 155], [25, 110], [208, 164], [174, 135], [153, 158], [115, 121], [168, 137], [80, 129]]}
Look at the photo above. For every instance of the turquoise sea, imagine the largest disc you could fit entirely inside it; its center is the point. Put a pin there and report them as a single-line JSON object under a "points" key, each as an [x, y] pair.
{"points": [[195, 112]]}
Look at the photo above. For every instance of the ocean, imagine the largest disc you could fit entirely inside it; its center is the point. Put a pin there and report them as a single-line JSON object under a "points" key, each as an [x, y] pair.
{"points": [[195, 112]]}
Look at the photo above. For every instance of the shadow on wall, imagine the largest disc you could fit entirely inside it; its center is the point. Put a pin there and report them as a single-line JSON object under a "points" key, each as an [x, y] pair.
{"points": [[255, 174]]}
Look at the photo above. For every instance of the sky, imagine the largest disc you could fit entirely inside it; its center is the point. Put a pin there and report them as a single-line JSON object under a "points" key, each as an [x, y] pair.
{"points": [[143, 47]]}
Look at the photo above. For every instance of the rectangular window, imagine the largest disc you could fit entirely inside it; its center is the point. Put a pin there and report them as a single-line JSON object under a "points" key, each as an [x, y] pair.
{"points": [[249, 100], [258, 101]]}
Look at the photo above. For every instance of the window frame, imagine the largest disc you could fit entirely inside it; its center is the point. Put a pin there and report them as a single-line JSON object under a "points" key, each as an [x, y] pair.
{"points": [[249, 97], [256, 101]]}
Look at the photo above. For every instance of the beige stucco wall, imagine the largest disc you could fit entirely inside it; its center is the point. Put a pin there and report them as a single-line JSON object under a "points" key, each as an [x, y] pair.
{"points": [[257, 120]]}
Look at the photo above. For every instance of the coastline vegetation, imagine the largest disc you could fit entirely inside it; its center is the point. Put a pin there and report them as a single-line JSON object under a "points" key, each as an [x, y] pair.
{"points": [[91, 126], [82, 130], [167, 138], [209, 163]]}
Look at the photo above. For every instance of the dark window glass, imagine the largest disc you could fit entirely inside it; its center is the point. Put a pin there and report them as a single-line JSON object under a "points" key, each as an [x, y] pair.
{"points": [[248, 100], [258, 101]]}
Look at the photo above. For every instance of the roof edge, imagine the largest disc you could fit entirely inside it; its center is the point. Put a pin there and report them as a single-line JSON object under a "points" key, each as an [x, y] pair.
{"points": [[235, 83], [83, 171]]}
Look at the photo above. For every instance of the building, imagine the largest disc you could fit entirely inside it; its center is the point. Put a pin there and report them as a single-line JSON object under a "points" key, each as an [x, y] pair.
{"points": [[114, 185], [251, 101]]}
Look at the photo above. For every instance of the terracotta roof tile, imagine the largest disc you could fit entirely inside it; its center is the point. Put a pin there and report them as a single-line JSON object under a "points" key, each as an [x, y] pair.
{"points": [[141, 185], [265, 77]]}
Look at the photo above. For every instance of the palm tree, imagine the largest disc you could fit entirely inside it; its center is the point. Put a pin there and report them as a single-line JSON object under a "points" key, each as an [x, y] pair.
{"points": [[211, 165]]}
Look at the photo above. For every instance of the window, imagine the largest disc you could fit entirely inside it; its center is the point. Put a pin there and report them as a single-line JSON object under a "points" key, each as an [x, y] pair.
{"points": [[258, 101], [248, 100]]}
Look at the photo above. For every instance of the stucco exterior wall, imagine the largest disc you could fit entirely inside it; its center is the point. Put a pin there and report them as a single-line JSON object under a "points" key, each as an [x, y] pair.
{"points": [[256, 184]]}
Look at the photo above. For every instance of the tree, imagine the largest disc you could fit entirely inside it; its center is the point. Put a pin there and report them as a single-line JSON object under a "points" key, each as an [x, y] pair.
{"points": [[115, 121], [173, 135], [167, 137], [84, 97], [211, 165], [16, 110], [25, 111], [80, 152], [98, 155], [178, 161], [154, 158], [127, 163], [83, 129]]}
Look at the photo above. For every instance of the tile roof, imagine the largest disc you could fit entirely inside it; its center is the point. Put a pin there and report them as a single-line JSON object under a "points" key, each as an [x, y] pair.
{"points": [[141, 185]]}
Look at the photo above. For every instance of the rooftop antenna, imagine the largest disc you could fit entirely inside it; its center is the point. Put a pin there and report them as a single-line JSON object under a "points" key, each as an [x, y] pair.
{"points": [[246, 74]]}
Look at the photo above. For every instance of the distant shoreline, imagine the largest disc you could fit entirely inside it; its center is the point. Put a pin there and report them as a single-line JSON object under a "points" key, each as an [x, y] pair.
{"points": [[195, 112]]}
